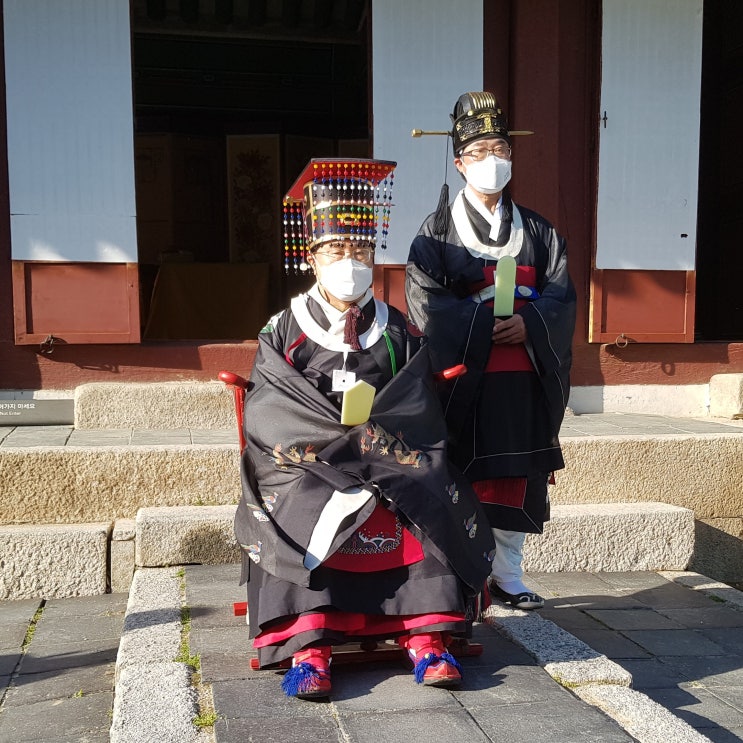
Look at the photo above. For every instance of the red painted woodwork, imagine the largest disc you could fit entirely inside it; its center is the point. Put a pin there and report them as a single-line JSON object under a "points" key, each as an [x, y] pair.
{"points": [[389, 284], [642, 307], [67, 366], [75, 302], [531, 46]]}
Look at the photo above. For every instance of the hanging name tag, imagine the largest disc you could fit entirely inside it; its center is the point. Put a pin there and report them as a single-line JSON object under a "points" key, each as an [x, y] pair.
{"points": [[343, 379]]}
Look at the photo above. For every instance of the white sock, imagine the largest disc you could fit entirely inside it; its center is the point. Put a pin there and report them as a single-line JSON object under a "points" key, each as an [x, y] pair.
{"points": [[513, 586]]}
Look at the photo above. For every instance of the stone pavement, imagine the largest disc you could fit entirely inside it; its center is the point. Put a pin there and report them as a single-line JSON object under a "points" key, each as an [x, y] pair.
{"points": [[57, 668], [683, 648], [559, 675]]}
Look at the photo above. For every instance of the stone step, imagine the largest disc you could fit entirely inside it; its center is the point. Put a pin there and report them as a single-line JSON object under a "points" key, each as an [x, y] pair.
{"points": [[210, 405], [154, 405], [53, 560], [69, 480], [192, 404], [77, 484], [613, 537], [57, 561]]}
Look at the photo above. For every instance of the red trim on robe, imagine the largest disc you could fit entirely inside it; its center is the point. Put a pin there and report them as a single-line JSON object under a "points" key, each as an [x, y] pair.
{"points": [[502, 491], [382, 525], [352, 624], [302, 338]]}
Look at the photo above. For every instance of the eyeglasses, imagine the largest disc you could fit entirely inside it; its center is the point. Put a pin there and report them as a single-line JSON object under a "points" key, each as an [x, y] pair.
{"points": [[333, 253], [478, 154]]}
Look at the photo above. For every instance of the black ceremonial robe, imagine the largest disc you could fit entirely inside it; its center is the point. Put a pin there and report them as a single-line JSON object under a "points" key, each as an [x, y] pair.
{"points": [[503, 425], [298, 453]]}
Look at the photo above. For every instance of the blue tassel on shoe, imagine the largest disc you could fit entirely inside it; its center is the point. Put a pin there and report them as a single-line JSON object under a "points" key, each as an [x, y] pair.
{"points": [[299, 678], [430, 659], [449, 658]]}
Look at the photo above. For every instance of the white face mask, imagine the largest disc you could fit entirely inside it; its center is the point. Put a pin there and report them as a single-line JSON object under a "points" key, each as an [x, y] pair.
{"points": [[346, 279], [490, 175]]}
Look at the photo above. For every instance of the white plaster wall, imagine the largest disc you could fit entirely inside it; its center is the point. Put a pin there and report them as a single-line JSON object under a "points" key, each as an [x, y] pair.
{"points": [[649, 143], [679, 401], [420, 69], [70, 130]]}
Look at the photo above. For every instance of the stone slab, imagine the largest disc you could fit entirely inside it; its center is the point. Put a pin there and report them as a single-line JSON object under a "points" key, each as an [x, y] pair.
{"points": [[22, 610], [726, 395], [38, 687], [106, 605], [611, 644], [152, 625], [53, 560], [684, 642], [155, 702], [710, 587], [81, 719], [151, 405], [699, 707], [643, 718], [59, 630], [12, 634], [565, 720], [650, 673], [154, 697], [430, 725], [707, 470], [9, 660], [317, 730], [612, 537], [124, 530], [567, 659], [44, 658], [121, 565], [623, 619], [78, 484], [187, 534]]}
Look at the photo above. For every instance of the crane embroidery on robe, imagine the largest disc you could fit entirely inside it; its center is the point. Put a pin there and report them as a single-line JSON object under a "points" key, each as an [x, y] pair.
{"points": [[258, 513], [378, 441], [253, 551], [269, 501], [453, 492], [294, 455]]}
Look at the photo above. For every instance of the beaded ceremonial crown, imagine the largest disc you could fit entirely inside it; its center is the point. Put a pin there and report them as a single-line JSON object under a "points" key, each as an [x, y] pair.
{"points": [[336, 198]]}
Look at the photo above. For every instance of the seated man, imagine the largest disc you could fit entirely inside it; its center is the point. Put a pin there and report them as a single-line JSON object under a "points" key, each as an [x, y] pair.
{"points": [[350, 533]]}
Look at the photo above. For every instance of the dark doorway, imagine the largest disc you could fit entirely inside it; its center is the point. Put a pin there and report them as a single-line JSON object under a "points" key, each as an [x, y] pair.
{"points": [[231, 99], [719, 300]]}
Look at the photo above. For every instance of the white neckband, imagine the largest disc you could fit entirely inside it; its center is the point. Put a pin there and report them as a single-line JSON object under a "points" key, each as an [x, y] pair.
{"points": [[472, 242], [331, 341]]}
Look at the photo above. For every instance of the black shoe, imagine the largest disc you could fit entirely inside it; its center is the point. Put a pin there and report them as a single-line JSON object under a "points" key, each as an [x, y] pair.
{"points": [[524, 600]]}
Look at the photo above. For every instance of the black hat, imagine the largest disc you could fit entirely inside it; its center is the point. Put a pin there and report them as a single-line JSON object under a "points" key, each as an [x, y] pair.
{"points": [[476, 116], [336, 198]]}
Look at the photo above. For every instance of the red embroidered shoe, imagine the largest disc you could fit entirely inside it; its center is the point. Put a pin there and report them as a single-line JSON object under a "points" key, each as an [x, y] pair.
{"points": [[309, 676], [432, 664]]}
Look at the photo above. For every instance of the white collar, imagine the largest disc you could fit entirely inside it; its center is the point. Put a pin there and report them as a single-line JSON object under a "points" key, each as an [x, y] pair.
{"points": [[493, 218], [332, 338], [472, 242]]}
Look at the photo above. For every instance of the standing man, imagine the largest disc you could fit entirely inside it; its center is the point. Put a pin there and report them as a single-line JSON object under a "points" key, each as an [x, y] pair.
{"points": [[504, 415]]}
